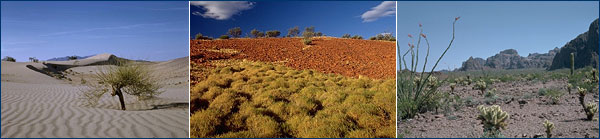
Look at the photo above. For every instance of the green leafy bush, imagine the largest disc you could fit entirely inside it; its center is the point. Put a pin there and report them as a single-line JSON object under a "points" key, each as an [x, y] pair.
{"points": [[273, 33], [357, 37], [348, 36], [256, 33], [224, 37]]}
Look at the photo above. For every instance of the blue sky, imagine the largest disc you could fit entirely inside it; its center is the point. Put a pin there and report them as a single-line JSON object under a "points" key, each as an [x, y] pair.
{"points": [[333, 18], [486, 28], [155, 31]]}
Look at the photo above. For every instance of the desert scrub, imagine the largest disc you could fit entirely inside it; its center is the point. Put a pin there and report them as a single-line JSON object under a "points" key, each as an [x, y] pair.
{"points": [[124, 78], [553, 94], [255, 99], [235, 32], [415, 93], [8, 58], [224, 37], [493, 119]]}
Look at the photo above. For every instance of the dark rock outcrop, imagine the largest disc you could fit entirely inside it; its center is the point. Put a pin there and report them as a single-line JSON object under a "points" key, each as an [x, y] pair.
{"points": [[472, 64], [585, 47]]}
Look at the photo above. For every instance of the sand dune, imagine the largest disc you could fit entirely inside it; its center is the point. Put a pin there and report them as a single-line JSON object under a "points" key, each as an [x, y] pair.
{"points": [[37, 105]]}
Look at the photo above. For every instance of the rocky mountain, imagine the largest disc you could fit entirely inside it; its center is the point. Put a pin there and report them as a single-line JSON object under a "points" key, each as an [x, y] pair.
{"points": [[510, 59], [585, 48], [472, 64]]}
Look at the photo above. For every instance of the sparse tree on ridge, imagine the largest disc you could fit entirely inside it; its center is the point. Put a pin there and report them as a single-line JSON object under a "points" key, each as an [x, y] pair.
{"points": [[235, 32], [293, 32]]}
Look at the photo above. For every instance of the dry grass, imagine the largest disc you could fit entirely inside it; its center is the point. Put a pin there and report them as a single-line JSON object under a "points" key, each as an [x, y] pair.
{"points": [[254, 99]]}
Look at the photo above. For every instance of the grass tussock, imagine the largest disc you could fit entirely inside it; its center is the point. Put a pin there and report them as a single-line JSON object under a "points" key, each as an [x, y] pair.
{"points": [[258, 100]]}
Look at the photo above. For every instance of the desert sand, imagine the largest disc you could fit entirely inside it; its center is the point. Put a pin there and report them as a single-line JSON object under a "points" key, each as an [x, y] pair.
{"points": [[37, 105]]}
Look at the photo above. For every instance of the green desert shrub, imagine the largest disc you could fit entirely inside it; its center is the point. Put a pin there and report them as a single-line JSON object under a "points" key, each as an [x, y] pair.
{"points": [[235, 32], [553, 94], [255, 99], [256, 33], [307, 41], [224, 37], [273, 33], [200, 37], [125, 78], [8, 58], [416, 91], [347, 36], [357, 37], [293, 32]]}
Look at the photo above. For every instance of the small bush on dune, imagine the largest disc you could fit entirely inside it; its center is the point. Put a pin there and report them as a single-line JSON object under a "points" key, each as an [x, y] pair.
{"points": [[126, 78], [8, 58]]}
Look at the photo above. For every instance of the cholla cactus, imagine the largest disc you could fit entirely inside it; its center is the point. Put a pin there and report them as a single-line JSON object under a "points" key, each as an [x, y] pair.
{"points": [[581, 91], [590, 110], [549, 127], [452, 86], [417, 80], [495, 80], [480, 85], [569, 86], [433, 82], [493, 119]]}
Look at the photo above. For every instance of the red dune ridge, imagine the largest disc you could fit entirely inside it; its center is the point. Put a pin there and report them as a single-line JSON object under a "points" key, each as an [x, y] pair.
{"points": [[348, 57]]}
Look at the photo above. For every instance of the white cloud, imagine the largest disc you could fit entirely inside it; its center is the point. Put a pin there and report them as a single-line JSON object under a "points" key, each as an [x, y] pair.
{"points": [[221, 10], [386, 8]]}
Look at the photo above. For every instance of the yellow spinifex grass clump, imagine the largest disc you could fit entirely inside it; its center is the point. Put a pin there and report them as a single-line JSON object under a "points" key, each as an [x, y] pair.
{"points": [[255, 99]]}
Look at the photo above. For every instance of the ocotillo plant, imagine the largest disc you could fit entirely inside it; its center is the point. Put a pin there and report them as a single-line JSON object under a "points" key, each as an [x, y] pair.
{"points": [[549, 127], [572, 63], [493, 119], [412, 95]]}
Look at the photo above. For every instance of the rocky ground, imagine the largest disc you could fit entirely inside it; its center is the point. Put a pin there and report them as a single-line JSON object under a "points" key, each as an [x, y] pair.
{"points": [[348, 57], [527, 110]]}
